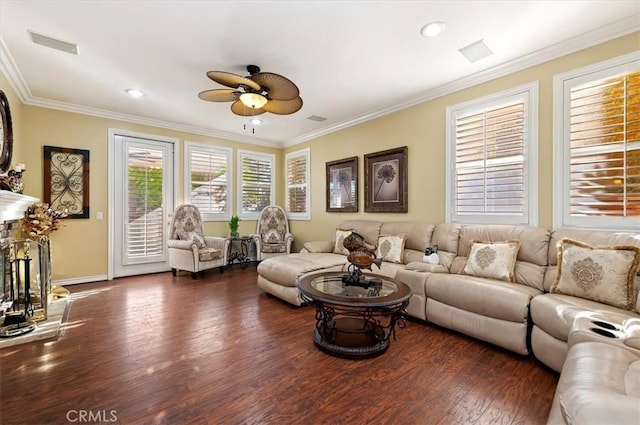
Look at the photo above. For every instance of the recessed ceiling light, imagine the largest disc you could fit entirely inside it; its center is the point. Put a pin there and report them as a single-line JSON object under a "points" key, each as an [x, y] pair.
{"points": [[432, 29], [134, 93]]}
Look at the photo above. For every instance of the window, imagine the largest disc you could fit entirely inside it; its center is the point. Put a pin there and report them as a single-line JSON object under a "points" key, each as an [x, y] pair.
{"points": [[597, 146], [492, 156], [256, 176], [297, 203], [207, 171]]}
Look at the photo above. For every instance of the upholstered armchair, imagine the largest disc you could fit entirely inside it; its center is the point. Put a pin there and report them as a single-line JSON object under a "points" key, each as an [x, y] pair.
{"points": [[189, 249], [272, 235]]}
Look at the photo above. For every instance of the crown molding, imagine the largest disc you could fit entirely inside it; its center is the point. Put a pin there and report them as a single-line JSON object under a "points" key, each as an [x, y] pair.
{"points": [[572, 45], [9, 69], [566, 47]]}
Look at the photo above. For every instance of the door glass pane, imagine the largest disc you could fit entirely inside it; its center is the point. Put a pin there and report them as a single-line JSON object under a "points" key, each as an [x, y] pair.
{"points": [[145, 177]]}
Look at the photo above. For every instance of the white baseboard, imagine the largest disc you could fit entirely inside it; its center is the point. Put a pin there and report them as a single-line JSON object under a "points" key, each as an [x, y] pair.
{"points": [[76, 280]]}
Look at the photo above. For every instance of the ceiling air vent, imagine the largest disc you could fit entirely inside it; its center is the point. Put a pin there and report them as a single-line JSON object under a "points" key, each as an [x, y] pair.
{"points": [[63, 46], [476, 51], [316, 118]]}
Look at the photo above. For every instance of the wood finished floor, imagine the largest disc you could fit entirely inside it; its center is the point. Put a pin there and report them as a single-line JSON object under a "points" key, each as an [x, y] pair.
{"points": [[158, 349]]}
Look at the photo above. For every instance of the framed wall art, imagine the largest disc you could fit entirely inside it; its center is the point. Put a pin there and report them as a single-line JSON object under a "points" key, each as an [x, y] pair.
{"points": [[342, 185], [66, 180], [385, 186]]}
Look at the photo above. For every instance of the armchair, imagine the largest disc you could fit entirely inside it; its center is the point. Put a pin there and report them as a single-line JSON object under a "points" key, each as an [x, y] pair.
{"points": [[188, 248], [272, 235]]}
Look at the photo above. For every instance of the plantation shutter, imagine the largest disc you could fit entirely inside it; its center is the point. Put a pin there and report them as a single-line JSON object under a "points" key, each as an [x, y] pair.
{"points": [[297, 184], [144, 213], [208, 180], [604, 138], [256, 182], [489, 161]]}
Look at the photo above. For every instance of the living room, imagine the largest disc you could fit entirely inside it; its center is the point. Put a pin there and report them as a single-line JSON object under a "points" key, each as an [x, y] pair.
{"points": [[82, 249]]}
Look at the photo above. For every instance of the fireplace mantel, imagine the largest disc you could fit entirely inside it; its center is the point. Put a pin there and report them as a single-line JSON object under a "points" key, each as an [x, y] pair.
{"points": [[13, 205]]}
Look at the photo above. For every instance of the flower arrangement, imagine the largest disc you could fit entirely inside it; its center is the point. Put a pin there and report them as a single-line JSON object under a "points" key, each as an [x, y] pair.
{"points": [[40, 220]]}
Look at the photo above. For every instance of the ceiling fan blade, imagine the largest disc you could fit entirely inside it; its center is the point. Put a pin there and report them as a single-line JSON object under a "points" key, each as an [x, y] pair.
{"points": [[280, 88], [232, 80], [241, 109], [283, 107], [219, 95]]}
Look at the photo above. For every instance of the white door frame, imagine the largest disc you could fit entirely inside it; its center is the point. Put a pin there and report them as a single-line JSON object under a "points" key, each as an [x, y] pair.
{"points": [[113, 132]]}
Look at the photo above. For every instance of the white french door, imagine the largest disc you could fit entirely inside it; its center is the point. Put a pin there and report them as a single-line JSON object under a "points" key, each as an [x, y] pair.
{"points": [[143, 200]]}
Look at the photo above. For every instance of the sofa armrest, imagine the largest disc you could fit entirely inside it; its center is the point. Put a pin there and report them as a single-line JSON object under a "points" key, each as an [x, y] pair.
{"points": [[425, 267], [319, 246]]}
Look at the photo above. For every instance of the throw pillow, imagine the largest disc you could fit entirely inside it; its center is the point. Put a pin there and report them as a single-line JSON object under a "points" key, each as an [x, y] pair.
{"points": [[494, 260], [602, 274], [391, 247], [339, 248], [193, 237]]}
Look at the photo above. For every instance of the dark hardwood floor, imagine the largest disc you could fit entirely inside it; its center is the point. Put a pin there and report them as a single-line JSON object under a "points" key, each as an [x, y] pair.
{"points": [[158, 349]]}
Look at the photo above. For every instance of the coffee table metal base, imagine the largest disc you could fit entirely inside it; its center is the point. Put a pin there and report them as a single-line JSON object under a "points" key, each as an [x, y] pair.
{"points": [[352, 341]]}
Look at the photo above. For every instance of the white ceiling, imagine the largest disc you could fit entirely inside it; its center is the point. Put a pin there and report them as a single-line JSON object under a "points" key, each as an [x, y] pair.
{"points": [[352, 60]]}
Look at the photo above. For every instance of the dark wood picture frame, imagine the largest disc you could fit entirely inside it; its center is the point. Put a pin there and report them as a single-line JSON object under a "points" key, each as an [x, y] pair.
{"points": [[342, 185], [385, 181], [66, 180]]}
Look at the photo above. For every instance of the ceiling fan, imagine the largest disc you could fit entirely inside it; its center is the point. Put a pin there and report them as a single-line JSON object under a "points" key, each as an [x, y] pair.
{"points": [[255, 94]]}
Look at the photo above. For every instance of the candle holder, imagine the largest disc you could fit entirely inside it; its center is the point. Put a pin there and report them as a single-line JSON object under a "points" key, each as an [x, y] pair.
{"points": [[26, 285]]}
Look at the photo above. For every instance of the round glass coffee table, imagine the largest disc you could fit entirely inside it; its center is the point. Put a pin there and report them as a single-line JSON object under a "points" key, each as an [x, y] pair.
{"points": [[355, 320]]}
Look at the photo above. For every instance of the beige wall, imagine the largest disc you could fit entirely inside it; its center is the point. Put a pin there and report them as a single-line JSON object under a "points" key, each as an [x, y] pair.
{"points": [[80, 248], [422, 129]]}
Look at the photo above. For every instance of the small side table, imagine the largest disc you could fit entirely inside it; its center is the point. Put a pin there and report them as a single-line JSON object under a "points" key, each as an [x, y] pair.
{"points": [[239, 250]]}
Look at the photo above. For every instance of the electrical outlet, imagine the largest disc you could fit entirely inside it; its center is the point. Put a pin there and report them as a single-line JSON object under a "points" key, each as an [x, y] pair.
{"points": [[99, 215]]}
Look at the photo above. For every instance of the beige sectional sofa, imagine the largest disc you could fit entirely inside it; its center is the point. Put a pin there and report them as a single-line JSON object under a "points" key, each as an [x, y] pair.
{"points": [[523, 316]]}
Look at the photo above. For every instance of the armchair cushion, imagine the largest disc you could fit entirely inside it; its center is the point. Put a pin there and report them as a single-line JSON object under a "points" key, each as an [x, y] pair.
{"points": [[273, 247], [209, 254], [193, 237]]}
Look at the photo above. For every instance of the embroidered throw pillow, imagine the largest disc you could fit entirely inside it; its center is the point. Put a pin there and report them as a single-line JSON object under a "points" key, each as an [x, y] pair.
{"points": [[602, 274], [193, 237], [494, 260], [391, 247], [339, 248]]}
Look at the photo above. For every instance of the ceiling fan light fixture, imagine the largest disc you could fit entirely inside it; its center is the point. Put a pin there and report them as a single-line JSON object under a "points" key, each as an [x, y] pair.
{"points": [[253, 100], [432, 29], [256, 121]]}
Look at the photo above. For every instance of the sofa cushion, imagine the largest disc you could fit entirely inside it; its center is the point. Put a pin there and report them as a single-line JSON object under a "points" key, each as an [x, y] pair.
{"points": [[285, 269], [555, 313], [592, 237], [487, 297], [319, 246], [532, 258], [494, 260], [341, 234], [603, 274], [391, 247], [369, 229]]}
